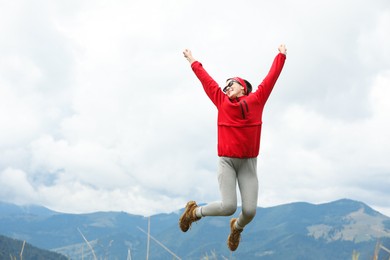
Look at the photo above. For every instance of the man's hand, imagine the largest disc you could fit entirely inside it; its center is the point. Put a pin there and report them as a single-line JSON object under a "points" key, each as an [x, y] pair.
{"points": [[188, 55], [282, 49]]}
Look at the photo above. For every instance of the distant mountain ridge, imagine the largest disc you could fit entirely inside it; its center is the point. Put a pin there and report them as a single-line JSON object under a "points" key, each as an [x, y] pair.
{"points": [[292, 231]]}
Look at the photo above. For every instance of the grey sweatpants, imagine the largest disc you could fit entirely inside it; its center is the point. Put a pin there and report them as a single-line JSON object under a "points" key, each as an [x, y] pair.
{"points": [[230, 172]]}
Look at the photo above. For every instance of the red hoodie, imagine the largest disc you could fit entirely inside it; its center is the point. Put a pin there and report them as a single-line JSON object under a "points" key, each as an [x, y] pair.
{"points": [[239, 120]]}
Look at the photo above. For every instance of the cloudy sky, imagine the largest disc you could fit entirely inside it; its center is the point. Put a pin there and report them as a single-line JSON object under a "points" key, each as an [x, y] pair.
{"points": [[99, 110]]}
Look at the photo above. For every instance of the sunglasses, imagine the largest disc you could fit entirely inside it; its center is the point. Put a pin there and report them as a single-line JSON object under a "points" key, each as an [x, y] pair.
{"points": [[229, 85]]}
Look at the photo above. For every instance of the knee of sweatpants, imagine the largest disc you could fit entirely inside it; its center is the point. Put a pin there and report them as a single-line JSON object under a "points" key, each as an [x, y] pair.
{"points": [[249, 213], [229, 209]]}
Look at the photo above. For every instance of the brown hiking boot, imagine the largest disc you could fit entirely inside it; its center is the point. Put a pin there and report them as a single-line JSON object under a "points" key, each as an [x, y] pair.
{"points": [[188, 216], [235, 235]]}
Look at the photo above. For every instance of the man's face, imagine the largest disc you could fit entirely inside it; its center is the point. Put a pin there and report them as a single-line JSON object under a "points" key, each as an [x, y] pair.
{"points": [[233, 89]]}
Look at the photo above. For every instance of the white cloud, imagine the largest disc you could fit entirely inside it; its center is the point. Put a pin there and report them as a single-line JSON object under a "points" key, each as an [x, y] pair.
{"points": [[100, 111], [330, 158], [15, 186]]}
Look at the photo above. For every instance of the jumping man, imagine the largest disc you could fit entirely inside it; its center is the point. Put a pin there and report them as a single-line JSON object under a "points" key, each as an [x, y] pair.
{"points": [[239, 130]]}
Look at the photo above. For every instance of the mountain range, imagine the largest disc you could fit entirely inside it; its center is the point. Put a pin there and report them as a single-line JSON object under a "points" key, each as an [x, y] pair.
{"points": [[334, 230]]}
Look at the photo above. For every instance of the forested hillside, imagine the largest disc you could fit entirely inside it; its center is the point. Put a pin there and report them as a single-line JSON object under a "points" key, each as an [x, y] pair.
{"points": [[11, 249]]}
